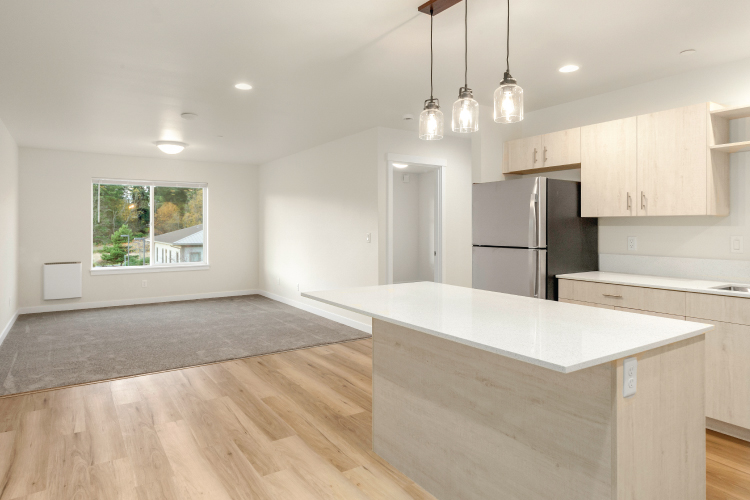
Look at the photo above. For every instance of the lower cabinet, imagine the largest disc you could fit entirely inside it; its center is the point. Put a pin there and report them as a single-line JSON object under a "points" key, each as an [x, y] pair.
{"points": [[727, 346]]}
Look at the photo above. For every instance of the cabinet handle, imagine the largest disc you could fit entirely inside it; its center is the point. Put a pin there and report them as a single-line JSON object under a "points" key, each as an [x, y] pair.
{"points": [[534, 155], [643, 200], [612, 296], [630, 201], [544, 155]]}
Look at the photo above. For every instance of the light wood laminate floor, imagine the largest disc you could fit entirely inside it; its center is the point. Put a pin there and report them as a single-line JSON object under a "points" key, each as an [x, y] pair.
{"points": [[287, 426]]}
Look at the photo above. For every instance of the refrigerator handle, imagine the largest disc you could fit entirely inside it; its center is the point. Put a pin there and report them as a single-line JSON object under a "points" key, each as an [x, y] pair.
{"points": [[540, 285], [534, 218]]}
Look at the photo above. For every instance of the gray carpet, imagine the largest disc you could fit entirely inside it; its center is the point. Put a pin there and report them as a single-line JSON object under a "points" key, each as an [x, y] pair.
{"points": [[49, 350]]}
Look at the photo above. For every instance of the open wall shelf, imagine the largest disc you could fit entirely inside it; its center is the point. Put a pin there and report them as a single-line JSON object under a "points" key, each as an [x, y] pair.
{"points": [[732, 113], [732, 147]]}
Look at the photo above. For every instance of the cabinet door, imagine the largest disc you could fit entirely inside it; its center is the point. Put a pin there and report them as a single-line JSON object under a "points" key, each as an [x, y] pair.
{"points": [[608, 169], [561, 148], [728, 373], [523, 154], [672, 162]]}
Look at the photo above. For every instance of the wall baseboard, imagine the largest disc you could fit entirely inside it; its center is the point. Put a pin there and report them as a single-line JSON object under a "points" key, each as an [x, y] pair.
{"points": [[7, 328], [319, 312], [131, 302]]}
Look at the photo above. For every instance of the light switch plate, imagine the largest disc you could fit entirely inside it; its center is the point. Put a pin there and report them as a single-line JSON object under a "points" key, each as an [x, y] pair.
{"points": [[406, 177], [736, 244], [629, 377], [369, 237]]}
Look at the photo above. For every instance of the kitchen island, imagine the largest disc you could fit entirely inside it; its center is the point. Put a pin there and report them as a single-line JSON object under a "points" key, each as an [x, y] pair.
{"points": [[480, 395]]}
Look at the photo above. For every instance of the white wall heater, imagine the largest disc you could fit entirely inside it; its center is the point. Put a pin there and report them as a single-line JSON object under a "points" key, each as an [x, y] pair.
{"points": [[62, 280]]}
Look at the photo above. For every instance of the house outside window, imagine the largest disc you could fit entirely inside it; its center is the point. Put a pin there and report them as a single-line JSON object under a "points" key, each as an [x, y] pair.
{"points": [[148, 226]]}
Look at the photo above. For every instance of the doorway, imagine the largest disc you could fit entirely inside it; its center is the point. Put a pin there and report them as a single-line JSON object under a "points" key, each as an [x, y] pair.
{"points": [[415, 242]]}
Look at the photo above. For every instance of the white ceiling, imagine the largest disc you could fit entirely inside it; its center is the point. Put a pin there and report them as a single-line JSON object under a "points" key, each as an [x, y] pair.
{"points": [[114, 76]]}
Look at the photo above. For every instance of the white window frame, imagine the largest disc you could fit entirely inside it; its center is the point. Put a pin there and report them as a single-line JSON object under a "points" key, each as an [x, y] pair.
{"points": [[152, 267]]}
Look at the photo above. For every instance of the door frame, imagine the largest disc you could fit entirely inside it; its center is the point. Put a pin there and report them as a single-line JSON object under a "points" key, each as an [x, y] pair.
{"points": [[440, 164]]}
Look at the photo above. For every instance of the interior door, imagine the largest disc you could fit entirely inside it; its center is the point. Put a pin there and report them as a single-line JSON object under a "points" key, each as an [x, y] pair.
{"points": [[523, 154], [672, 162], [517, 271], [608, 169]]}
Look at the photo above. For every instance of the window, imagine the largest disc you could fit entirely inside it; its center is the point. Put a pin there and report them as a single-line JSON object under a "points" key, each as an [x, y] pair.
{"points": [[148, 225]]}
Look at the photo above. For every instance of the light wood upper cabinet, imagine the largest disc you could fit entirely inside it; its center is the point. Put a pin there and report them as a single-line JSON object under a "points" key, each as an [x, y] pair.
{"points": [[555, 151], [561, 148], [608, 169], [522, 154], [655, 164], [672, 159]]}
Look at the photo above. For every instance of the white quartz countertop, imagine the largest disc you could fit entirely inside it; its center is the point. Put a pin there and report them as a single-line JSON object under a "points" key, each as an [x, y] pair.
{"points": [[678, 284], [555, 335]]}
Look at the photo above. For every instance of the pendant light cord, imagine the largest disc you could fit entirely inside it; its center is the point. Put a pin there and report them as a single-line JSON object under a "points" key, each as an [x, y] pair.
{"points": [[432, 16], [466, 43], [507, 42]]}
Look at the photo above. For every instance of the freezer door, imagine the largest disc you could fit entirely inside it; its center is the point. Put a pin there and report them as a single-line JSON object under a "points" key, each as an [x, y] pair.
{"points": [[510, 213], [518, 271]]}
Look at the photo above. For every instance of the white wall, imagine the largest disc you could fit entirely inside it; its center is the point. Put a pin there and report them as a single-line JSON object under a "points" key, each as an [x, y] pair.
{"points": [[406, 225], [55, 224], [700, 237], [8, 227], [457, 183], [316, 208]]}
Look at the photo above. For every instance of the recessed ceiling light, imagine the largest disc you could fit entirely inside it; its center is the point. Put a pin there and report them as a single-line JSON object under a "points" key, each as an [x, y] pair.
{"points": [[189, 116], [687, 52], [569, 68], [243, 86], [400, 165], [171, 147], [408, 117]]}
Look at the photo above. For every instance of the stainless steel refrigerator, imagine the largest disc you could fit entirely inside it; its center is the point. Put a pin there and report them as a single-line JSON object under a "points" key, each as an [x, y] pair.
{"points": [[526, 232]]}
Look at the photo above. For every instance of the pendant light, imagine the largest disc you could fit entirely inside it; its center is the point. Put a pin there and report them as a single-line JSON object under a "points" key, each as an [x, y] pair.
{"points": [[465, 109], [508, 96], [431, 119]]}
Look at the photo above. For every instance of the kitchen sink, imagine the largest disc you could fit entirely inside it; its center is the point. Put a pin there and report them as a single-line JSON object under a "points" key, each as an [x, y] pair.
{"points": [[734, 288]]}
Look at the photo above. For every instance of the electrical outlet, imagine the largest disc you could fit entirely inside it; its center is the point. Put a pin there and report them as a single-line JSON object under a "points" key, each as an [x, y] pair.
{"points": [[632, 243], [629, 377], [736, 244], [369, 237], [298, 287], [144, 283]]}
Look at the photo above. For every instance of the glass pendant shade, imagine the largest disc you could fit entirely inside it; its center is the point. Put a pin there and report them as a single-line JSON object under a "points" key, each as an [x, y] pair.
{"points": [[508, 101], [465, 113], [431, 121]]}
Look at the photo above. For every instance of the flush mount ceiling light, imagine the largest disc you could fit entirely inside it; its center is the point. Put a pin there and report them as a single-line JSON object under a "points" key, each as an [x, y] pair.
{"points": [[687, 52], [569, 68], [171, 147], [465, 109], [508, 96], [431, 119], [400, 165], [243, 86]]}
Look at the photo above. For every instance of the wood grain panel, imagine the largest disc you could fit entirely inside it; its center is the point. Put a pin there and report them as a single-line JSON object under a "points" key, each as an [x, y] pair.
{"points": [[561, 149], [630, 297], [672, 161], [718, 307], [728, 373], [522, 155], [650, 313], [608, 169]]}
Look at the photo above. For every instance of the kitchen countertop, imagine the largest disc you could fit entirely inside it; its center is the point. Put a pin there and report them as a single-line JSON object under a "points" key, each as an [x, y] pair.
{"points": [[678, 284], [555, 335]]}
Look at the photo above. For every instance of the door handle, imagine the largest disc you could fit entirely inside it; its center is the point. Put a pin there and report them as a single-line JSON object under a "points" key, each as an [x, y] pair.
{"points": [[630, 202], [534, 155], [643, 200], [544, 155]]}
